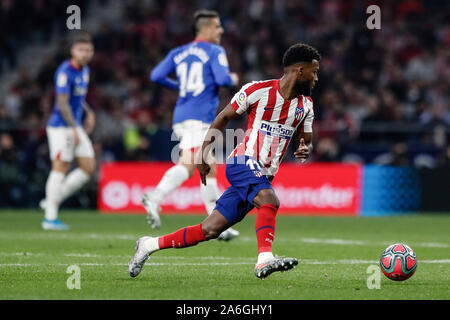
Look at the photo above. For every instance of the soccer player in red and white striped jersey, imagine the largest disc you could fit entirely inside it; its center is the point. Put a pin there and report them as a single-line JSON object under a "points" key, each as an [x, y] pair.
{"points": [[272, 121], [276, 110]]}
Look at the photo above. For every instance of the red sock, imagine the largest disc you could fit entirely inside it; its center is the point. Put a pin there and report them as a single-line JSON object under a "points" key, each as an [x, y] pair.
{"points": [[265, 227], [185, 237]]}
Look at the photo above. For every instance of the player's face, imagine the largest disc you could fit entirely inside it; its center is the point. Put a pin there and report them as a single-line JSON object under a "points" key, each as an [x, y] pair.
{"points": [[82, 52], [215, 30], [307, 77]]}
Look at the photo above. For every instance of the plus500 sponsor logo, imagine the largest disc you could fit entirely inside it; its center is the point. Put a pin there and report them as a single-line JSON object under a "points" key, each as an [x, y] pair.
{"points": [[279, 131]]}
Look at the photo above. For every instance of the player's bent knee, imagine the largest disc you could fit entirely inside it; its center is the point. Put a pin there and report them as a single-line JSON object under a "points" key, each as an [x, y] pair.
{"points": [[91, 171], [89, 167], [191, 171], [266, 196], [60, 166], [276, 202], [214, 225], [210, 232]]}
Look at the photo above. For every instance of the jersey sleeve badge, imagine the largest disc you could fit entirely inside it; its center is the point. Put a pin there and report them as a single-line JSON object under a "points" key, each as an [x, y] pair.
{"points": [[223, 61], [242, 99], [61, 80]]}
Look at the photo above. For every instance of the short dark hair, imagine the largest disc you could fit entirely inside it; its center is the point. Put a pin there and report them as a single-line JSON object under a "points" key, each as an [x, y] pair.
{"points": [[200, 17], [81, 38], [300, 52]]}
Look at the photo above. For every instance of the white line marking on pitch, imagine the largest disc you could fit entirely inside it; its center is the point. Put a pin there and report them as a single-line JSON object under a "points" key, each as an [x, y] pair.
{"points": [[244, 260], [351, 242], [305, 261], [100, 256], [364, 243], [127, 237], [333, 241]]}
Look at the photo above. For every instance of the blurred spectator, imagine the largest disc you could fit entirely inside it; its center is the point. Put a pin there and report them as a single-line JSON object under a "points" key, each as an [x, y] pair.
{"points": [[137, 138], [444, 158], [327, 150], [398, 156], [9, 172]]}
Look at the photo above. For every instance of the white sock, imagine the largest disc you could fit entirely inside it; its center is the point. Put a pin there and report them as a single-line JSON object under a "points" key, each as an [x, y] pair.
{"points": [[73, 182], [263, 257], [152, 244], [53, 194], [210, 193], [172, 179]]}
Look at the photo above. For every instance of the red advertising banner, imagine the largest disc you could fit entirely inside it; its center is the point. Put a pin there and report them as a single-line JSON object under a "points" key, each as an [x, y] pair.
{"points": [[327, 189]]}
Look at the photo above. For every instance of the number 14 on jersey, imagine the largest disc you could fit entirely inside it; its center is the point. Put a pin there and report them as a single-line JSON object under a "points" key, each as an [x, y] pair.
{"points": [[191, 81]]}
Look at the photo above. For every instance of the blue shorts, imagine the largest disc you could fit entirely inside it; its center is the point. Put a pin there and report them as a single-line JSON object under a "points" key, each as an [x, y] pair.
{"points": [[246, 179]]}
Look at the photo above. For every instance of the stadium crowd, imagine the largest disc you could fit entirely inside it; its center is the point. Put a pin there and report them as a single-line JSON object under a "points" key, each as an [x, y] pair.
{"points": [[383, 95]]}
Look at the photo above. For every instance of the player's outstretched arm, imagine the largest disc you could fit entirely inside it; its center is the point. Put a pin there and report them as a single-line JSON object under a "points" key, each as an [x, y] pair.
{"points": [[304, 147], [219, 124]]}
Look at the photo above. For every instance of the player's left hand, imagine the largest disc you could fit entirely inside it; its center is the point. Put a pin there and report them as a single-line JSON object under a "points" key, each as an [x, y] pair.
{"points": [[203, 169], [202, 165], [89, 123], [302, 152]]}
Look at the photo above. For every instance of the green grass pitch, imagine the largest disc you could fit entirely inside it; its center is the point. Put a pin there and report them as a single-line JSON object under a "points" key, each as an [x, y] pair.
{"points": [[334, 254]]}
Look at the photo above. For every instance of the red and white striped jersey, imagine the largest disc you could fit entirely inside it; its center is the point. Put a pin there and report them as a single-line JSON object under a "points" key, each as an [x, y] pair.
{"points": [[272, 121]]}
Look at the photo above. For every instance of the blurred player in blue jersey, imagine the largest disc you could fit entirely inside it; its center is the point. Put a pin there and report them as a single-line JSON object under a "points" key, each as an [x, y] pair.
{"points": [[201, 68], [66, 137]]}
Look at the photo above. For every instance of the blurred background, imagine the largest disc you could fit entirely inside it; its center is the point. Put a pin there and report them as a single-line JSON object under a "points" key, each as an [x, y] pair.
{"points": [[382, 99]]}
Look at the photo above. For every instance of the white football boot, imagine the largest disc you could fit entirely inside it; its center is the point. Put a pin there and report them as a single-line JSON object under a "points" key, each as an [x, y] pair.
{"points": [[228, 235], [153, 209], [263, 270], [56, 224], [142, 254]]}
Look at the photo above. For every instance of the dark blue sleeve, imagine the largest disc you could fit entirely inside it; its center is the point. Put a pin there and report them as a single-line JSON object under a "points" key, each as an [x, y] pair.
{"points": [[161, 72], [220, 69]]}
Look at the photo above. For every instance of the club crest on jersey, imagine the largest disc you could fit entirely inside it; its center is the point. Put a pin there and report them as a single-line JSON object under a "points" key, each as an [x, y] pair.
{"points": [[257, 173], [299, 112]]}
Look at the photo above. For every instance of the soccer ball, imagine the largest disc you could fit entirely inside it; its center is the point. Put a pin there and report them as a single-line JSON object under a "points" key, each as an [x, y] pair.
{"points": [[398, 262]]}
